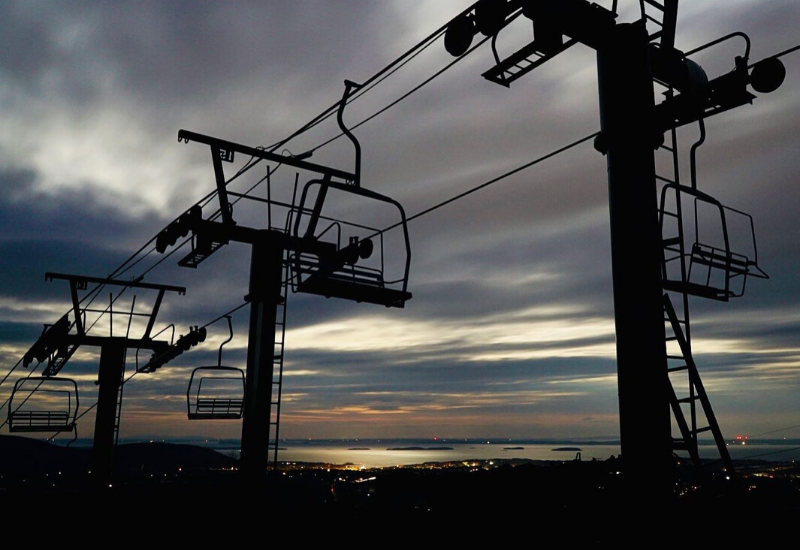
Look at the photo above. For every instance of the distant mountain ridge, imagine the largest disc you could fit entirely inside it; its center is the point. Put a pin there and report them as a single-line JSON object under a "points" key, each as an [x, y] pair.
{"points": [[19, 455]]}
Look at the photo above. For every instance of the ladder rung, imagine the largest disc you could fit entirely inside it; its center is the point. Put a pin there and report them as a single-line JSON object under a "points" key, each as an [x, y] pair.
{"points": [[671, 241], [671, 338], [668, 213], [689, 399], [674, 356], [662, 178], [670, 149], [655, 4], [654, 20], [701, 430]]}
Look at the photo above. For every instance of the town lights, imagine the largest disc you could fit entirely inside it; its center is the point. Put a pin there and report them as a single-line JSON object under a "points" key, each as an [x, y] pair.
{"points": [[179, 228], [767, 75]]}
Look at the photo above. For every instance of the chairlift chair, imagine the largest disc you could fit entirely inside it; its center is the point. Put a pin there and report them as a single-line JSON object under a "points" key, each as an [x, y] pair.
{"points": [[717, 270], [224, 399], [51, 406], [337, 273]]}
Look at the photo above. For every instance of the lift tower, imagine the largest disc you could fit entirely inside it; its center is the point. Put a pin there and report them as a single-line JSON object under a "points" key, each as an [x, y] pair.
{"points": [[281, 255], [629, 60], [58, 345]]}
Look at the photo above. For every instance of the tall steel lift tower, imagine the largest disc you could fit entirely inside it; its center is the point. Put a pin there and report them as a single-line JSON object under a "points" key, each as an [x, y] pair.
{"points": [[629, 61], [303, 251], [59, 342]]}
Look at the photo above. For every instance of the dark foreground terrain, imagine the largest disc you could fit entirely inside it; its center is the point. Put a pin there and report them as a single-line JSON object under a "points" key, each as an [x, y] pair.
{"points": [[580, 502]]}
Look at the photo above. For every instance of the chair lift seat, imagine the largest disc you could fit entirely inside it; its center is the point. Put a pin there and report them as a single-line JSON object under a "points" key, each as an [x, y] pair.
{"points": [[34, 417], [697, 289], [359, 289], [213, 408], [40, 421], [717, 259]]}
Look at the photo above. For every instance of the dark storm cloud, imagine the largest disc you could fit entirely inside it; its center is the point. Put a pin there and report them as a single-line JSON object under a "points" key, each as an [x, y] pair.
{"points": [[178, 51], [67, 233], [19, 333]]}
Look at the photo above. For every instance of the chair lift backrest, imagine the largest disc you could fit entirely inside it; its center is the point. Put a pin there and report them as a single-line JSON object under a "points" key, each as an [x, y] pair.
{"points": [[710, 257], [233, 407], [366, 284], [717, 256], [316, 211], [36, 420]]}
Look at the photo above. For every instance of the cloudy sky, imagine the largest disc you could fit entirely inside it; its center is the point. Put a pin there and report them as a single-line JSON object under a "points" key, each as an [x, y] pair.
{"points": [[510, 332]]}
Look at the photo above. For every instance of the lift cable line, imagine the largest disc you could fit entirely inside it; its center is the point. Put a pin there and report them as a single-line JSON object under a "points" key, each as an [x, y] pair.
{"points": [[367, 87], [250, 164], [404, 96], [362, 90], [496, 179], [773, 431], [783, 53], [375, 77], [770, 453]]}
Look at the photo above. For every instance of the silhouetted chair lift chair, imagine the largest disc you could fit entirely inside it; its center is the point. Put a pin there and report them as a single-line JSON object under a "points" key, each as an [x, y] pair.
{"points": [[223, 396], [337, 273], [43, 404], [716, 271]]}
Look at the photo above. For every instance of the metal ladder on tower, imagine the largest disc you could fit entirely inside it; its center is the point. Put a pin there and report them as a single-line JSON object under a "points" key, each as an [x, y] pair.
{"points": [[680, 360], [663, 15], [277, 367], [681, 368], [119, 404]]}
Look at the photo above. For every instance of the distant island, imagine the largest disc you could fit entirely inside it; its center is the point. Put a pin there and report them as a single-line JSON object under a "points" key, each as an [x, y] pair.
{"points": [[420, 449], [359, 449], [513, 448], [566, 449]]}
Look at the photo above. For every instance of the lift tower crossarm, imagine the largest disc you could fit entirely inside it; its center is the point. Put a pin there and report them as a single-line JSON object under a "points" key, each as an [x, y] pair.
{"points": [[216, 234], [80, 282], [227, 148]]}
